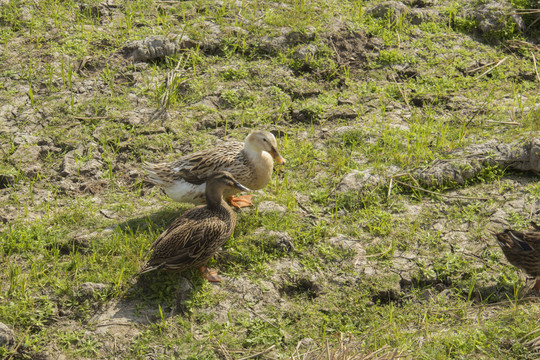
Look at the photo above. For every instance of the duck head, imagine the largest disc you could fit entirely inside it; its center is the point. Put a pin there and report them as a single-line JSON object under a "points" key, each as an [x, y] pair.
{"points": [[264, 141]]}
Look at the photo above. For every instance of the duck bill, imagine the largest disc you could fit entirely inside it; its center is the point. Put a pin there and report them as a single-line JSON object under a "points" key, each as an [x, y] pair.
{"points": [[240, 187], [277, 157]]}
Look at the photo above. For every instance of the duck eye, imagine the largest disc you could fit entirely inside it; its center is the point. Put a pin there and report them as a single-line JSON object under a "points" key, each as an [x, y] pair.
{"points": [[264, 139]]}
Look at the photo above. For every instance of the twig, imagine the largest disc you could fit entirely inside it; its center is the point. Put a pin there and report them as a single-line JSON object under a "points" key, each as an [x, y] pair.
{"points": [[535, 68], [92, 117], [402, 93], [382, 253], [480, 67], [532, 24], [439, 194], [263, 318], [529, 334], [523, 12], [481, 108], [526, 44], [490, 69], [19, 344], [503, 122], [223, 351], [389, 188], [337, 52], [258, 354]]}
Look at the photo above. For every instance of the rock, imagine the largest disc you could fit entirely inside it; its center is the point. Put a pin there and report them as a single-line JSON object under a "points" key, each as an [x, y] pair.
{"points": [[392, 9], [91, 168], [156, 47], [523, 155], [182, 295], [306, 53], [270, 206], [419, 16], [495, 15], [28, 158], [280, 240], [346, 242], [359, 181], [89, 288], [101, 10], [71, 163], [7, 335]]}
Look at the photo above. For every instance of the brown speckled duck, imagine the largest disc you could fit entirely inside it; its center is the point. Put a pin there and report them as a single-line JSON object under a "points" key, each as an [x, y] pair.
{"points": [[251, 163], [522, 249], [193, 238]]}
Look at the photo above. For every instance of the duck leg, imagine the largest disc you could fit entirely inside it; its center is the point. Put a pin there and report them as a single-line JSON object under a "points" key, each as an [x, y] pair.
{"points": [[209, 274], [240, 201]]}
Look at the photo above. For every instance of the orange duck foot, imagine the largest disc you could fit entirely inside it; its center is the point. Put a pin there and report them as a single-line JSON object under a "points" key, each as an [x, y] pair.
{"points": [[209, 274], [240, 201]]}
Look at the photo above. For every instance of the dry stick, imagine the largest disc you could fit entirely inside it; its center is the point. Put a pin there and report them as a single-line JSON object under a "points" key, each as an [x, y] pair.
{"points": [[258, 354], [503, 122], [480, 67], [525, 43], [402, 93], [389, 188], [439, 194], [532, 24], [335, 50], [529, 334], [263, 318], [92, 118], [491, 69], [224, 351], [524, 12], [535, 68], [19, 344]]}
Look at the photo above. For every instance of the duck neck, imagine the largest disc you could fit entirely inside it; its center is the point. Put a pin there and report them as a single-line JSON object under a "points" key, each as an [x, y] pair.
{"points": [[250, 150], [214, 196]]}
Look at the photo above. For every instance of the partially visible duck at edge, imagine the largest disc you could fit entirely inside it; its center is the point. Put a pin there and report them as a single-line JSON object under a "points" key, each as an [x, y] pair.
{"points": [[522, 249]]}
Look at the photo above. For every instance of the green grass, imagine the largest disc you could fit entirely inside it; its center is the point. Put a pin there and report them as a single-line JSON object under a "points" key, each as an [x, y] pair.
{"points": [[413, 271]]}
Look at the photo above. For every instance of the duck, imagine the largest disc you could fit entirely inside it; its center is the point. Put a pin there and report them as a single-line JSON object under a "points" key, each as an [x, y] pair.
{"points": [[250, 162], [193, 238], [522, 249]]}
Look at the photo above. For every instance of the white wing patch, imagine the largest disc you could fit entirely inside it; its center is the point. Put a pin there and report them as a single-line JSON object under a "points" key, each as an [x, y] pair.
{"points": [[182, 191]]}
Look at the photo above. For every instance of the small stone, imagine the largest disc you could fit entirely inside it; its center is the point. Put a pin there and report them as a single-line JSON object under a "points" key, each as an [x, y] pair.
{"points": [[494, 15], [391, 9], [306, 52], [7, 335], [270, 206], [89, 288], [156, 47], [182, 294], [358, 181], [281, 239]]}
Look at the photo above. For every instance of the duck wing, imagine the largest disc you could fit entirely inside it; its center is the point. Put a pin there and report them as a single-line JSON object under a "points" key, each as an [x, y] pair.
{"points": [[195, 168]]}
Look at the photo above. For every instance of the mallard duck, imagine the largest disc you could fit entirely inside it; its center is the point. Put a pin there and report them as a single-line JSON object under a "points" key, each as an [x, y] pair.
{"points": [[522, 249], [250, 163], [194, 237]]}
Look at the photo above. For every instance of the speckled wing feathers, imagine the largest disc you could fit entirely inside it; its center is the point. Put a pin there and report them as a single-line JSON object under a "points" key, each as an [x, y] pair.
{"points": [[522, 249], [206, 162]]}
